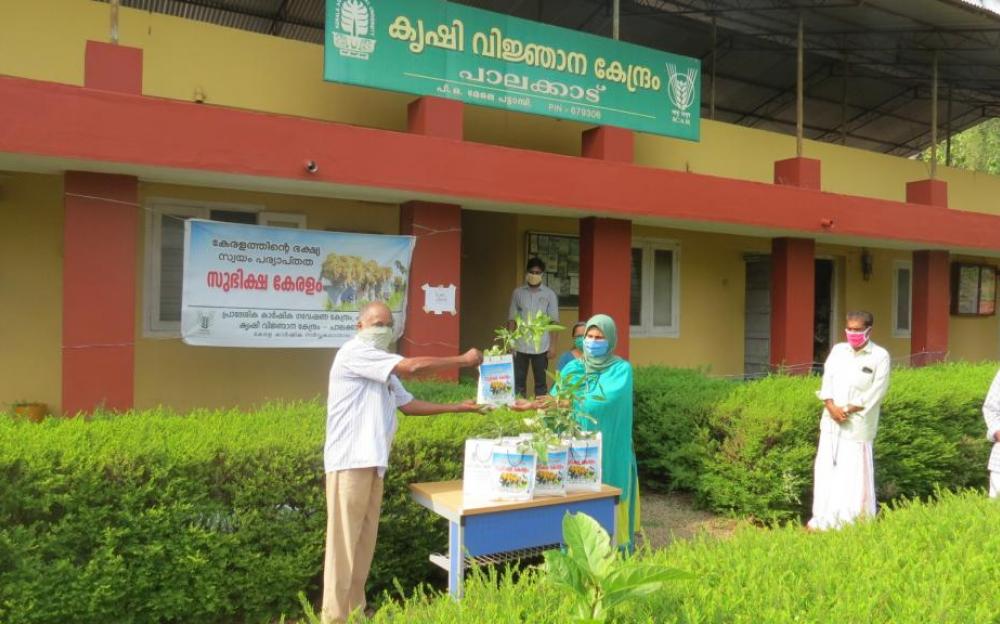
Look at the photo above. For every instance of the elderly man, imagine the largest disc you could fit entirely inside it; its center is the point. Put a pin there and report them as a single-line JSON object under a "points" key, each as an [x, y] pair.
{"points": [[361, 420], [855, 380], [991, 411]]}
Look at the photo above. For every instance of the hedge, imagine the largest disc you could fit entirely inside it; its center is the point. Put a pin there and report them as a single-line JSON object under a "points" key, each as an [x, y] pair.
{"points": [[218, 516], [213, 516], [673, 408], [762, 440], [921, 562]]}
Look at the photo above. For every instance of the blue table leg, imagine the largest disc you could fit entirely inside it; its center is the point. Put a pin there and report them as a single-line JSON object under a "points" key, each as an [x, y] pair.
{"points": [[456, 559]]}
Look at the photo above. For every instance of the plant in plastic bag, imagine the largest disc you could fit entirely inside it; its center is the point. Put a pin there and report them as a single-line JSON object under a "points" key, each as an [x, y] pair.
{"points": [[533, 328], [597, 576], [562, 417]]}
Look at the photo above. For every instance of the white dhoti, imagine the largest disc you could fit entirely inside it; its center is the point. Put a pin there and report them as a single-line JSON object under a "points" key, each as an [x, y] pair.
{"points": [[844, 486], [994, 484]]}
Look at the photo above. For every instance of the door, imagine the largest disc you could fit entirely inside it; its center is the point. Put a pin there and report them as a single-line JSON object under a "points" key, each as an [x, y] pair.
{"points": [[757, 332], [824, 321]]}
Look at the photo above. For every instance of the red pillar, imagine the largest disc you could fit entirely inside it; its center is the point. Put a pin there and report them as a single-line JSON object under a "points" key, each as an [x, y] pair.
{"points": [[437, 261], [606, 244], [434, 116], [100, 235], [930, 313], [605, 273], [437, 257], [800, 172], [927, 192], [112, 68], [793, 283], [609, 143]]}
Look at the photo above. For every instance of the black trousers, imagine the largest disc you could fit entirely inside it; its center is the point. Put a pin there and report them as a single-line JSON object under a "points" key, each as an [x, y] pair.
{"points": [[539, 363]]}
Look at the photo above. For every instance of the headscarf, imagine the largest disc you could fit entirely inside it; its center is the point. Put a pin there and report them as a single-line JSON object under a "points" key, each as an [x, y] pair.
{"points": [[604, 323]]}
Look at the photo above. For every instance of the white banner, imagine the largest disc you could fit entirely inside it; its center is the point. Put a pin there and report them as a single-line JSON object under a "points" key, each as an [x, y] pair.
{"points": [[255, 286]]}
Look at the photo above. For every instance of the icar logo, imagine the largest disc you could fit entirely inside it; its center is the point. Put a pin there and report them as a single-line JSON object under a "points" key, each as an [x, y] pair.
{"points": [[680, 88], [355, 23]]}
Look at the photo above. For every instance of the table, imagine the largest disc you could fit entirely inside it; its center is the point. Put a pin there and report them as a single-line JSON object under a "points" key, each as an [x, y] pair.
{"points": [[495, 532]]}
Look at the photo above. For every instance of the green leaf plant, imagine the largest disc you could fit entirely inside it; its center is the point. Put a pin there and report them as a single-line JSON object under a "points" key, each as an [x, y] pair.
{"points": [[533, 327], [597, 576], [561, 416]]}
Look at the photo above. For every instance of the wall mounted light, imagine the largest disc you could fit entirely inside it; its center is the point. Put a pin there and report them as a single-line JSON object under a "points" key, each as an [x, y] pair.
{"points": [[866, 264]]}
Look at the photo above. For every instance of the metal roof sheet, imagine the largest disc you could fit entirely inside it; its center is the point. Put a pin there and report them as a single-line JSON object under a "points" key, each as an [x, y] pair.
{"points": [[867, 66]]}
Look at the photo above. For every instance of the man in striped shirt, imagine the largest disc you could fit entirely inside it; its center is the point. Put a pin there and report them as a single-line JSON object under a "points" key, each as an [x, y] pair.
{"points": [[364, 394]]}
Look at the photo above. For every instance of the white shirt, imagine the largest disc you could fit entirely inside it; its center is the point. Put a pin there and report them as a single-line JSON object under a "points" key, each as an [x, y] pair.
{"points": [[991, 411], [858, 378], [526, 300], [361, 407]]}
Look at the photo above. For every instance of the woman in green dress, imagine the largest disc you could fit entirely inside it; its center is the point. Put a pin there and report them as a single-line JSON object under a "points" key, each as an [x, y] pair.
{"points": [[607, 398]]}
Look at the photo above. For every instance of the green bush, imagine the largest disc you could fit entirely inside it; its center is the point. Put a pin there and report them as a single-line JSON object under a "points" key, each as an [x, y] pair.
{"points": [[672, 411], [763, 435], [219, 516], [923, 562], [213, 516]]}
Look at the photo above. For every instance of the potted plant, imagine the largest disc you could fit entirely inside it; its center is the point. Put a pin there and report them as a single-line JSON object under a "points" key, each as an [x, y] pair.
{"points": [[496, 374], [35, 412]]}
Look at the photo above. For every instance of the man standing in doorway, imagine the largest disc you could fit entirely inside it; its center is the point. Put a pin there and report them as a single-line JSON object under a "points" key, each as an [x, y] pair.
{"points": [[526, 301], [361, 421], [855, 380]]}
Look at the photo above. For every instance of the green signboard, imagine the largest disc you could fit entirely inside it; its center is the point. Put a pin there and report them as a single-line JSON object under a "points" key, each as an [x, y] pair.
{"points": [[429, 47]]}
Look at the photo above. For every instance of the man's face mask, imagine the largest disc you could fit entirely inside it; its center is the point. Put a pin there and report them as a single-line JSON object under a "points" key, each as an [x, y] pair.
{"points": [[378, 337], [857, 338], [534, 279]]}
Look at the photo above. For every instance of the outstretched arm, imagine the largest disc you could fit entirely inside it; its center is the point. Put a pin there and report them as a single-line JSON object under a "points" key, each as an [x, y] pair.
{"points": [[413, 366], [425, 408]]}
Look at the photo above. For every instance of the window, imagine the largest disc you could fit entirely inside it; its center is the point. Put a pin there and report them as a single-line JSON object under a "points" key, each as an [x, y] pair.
{"points": [[654, 308], [973, 289], [902, 298], [165, 252]]}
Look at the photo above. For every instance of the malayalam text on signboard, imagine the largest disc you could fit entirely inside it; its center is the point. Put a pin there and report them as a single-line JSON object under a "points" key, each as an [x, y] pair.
{"points": [[429, 47]]}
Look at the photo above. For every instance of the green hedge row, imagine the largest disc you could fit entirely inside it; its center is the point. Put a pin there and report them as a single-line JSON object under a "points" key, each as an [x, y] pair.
{"points": [[214, 516], [761, 440], [923, 562], [219, 516]]}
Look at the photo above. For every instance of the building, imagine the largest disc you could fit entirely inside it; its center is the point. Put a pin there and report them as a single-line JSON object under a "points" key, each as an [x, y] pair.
{"points": [[743, 256]]}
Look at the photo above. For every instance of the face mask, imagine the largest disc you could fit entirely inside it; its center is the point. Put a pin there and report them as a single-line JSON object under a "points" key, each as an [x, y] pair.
{"points": [[578, 342], [596, 347], [378, 337], [534, 279], [857, 338]]}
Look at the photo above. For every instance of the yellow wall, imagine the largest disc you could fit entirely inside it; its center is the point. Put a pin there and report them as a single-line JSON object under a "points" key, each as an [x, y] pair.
{"points": [[31, 246], [170, 372], [45, 40]]}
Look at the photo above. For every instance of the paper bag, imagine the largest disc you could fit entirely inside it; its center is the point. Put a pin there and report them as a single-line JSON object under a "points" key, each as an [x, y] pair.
{"points": [[476, 471], [550, 478], [496, 380], [513, 473], [584, 459]]}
